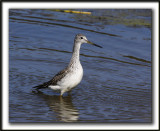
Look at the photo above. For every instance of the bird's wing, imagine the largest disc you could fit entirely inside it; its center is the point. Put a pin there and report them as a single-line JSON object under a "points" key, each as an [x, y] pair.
{"points": [[54, 80], [58, 76]]}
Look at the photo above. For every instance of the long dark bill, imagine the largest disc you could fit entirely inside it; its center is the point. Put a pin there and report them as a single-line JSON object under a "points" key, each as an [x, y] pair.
{"points": [[94, 44]]}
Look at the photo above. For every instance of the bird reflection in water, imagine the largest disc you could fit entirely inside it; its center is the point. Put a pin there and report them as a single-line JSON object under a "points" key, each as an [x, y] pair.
{"points": [[61, 106]]}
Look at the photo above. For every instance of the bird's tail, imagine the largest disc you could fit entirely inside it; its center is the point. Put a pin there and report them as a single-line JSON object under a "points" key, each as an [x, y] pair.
{"points": [[44, 85]]}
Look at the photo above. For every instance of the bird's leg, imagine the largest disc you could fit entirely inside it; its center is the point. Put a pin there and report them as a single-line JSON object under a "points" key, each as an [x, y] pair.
{"points": [[62, 92]]}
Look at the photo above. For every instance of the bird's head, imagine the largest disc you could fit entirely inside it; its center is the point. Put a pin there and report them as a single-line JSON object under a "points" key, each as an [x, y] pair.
{"points": [[82, 39]]}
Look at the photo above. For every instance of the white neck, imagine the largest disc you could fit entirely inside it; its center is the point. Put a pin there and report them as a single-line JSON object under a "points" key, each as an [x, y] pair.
{"points": [[75, 55]]}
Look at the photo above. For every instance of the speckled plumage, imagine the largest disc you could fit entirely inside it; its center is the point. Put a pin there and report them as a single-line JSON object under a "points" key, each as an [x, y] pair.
{"points": [[72, 75]]}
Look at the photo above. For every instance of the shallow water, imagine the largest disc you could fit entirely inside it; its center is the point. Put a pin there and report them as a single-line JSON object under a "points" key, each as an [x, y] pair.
{"points": [[116, 86]]}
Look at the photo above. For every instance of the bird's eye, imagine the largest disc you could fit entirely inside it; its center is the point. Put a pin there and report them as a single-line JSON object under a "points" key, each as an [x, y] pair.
{"points": [[81, 37]]}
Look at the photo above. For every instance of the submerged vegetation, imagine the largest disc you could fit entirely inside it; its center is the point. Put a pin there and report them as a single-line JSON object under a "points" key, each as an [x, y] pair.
{"points": [[127, 17]]}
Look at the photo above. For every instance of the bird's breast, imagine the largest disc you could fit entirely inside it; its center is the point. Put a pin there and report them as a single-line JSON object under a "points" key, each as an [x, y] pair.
{"points": [[73, 78]]}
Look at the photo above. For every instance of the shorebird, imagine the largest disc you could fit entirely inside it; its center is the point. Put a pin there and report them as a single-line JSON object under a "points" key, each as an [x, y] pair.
{"points": [[72, 75]]}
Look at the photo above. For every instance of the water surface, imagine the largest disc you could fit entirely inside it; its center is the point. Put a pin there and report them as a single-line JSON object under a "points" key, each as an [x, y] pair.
{"points": [[116, 86]]}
